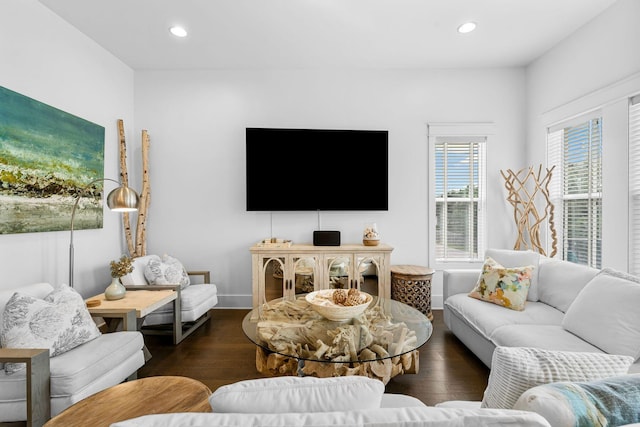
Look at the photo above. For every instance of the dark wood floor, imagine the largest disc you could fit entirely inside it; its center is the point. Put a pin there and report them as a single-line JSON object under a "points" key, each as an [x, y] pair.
{"points": [[218, 353]]}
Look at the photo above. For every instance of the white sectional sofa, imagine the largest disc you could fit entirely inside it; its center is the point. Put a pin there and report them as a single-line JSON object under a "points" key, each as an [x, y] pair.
{"points": [[337, 401], [569, 307]]}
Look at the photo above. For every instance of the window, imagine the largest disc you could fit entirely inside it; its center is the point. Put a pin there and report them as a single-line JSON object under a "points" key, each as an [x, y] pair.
{"points": [[576, 189], [634, 185], [459, 198]]}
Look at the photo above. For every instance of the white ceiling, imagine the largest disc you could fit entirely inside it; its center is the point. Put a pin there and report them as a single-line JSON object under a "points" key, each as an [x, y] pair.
{"points": [[326, 33]]}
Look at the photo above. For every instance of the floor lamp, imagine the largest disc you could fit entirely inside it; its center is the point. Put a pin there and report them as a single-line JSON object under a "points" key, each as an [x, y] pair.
{"points": [[122, 199]]}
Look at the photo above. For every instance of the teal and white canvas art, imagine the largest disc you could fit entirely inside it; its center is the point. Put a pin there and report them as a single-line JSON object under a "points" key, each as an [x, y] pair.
{"points": [[47, 158]]}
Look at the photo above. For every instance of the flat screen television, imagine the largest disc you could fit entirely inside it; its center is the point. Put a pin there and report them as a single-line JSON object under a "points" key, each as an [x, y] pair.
{"points": [[316, 170]]}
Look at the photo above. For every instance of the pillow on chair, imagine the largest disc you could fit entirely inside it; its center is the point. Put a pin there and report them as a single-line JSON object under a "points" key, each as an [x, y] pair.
{"points": [[168, 271], [59, 322], [136, 277]]}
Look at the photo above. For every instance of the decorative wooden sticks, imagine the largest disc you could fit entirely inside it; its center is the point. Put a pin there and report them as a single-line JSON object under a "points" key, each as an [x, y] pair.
{"points": [[524, 191]]}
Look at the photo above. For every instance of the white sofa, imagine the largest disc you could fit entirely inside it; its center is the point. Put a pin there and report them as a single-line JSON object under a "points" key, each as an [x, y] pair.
{"points": [[60, 381], [338, 401], [570, 307]]}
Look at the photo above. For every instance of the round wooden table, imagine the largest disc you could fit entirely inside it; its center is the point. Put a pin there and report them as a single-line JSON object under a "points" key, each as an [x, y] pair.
{"points": [[151, 395]]}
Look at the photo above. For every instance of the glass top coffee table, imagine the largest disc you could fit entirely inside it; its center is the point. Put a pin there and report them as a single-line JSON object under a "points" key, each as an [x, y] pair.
{"points": [[293, 339]]}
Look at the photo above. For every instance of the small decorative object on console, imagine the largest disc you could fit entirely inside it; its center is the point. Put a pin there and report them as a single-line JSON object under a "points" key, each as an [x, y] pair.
{"points": [[370, 236], [118, 269], [339, 304]]}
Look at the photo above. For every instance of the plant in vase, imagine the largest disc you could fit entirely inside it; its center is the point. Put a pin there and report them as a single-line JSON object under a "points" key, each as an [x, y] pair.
{"points": [[119, 268]]}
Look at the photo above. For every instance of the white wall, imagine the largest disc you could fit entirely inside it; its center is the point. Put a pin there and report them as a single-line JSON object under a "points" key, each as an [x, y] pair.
{"points": [[197, 119], [597, 67], [47, 59]]}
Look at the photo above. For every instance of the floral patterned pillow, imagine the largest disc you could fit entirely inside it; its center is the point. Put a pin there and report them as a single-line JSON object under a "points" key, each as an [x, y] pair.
{"points": [[507, 287], [59, 322], [168, 271]]}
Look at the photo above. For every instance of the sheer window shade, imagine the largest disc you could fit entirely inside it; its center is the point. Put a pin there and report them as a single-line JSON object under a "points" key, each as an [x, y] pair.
{"points": [[459, 197], [576, 189], [634, 185]]}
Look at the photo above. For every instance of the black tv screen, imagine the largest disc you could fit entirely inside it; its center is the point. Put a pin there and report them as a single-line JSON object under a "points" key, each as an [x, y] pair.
{"points": [[316, 169]]}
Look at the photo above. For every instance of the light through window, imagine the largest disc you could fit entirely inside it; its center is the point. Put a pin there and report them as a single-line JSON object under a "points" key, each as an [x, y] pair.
{"points": [[576, 189], [459, 196]]}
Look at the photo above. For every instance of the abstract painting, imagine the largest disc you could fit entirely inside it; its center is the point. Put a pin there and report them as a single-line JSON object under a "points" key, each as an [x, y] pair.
{"points": [[47, 159]]}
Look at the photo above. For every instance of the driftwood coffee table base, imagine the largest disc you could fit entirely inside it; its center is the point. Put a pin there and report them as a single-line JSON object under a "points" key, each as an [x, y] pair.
{"points": [[274, 364]]}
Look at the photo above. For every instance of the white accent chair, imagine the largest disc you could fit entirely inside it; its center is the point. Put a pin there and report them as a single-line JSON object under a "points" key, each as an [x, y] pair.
{"points": [[51, 384], [194, 302]]}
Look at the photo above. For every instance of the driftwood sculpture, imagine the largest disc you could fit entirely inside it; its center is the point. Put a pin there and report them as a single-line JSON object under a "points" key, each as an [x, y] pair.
{"points": [[328, 348], [524, 191], [138, 247]]}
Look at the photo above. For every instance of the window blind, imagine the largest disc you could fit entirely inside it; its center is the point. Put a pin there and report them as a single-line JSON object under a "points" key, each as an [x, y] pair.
{"points": [[634, 185], [576, 189], [460, 196]]}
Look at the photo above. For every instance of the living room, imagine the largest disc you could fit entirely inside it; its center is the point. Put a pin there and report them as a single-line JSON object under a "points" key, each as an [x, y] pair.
{"points": [[196, 118]]}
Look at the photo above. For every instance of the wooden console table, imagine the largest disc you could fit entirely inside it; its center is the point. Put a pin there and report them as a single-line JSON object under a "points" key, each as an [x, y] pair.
{"points": [[321, 261]]}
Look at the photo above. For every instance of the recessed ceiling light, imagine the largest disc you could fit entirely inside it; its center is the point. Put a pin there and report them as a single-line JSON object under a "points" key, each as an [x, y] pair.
{"points": [[178, 31], [467, 27]]}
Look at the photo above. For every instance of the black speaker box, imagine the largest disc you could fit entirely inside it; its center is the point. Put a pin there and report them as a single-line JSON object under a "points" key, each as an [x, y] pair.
{"points": [[326, 238]]}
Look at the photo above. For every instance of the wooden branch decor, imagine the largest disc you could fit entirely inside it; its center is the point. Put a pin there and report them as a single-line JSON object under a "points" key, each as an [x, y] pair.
{"points": [[524, 190], [138, 247]]}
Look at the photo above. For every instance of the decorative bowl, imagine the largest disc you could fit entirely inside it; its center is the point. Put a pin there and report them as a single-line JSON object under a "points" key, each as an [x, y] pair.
{"points": [[322, 302]]}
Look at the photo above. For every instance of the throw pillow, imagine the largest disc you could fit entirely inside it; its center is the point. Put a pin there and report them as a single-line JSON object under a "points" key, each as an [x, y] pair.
{"points": [[514, 370], [605, 313], [59, 322], [166, 271], [298, 394], [507, 287], [611, 401], [515, 258], [136, 277]]}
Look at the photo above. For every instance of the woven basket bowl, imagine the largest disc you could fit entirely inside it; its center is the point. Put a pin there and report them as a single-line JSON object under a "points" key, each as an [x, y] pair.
{"points": [[334, 311]]}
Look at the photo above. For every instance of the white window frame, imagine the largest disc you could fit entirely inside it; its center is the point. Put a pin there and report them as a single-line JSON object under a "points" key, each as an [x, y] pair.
{"points": [[634, 185], [556, 150], [472, 132]]}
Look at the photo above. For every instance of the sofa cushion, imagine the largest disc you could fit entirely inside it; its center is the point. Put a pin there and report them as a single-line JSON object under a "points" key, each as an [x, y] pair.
{"points": [[59, 322], [298, 394], [546, 337], [561, 281], [381, 417], [397, 400], [195, 301], [485, 318], [611, 401], [514, 370], [136, 277], [506, 287], [605, 313], [167, 271], [513, 258]]}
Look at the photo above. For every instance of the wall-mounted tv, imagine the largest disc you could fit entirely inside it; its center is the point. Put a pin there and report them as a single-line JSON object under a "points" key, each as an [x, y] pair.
{"points": [[317, 170]]}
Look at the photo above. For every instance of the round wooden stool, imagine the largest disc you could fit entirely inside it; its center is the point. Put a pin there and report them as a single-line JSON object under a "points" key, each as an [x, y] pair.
{"points": [[411, 284], [131, 399]]}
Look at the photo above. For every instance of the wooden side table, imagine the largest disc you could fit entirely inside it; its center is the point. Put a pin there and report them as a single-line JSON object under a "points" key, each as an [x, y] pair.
{"points": [[411, 284], [143, 301], [151, 395]]}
